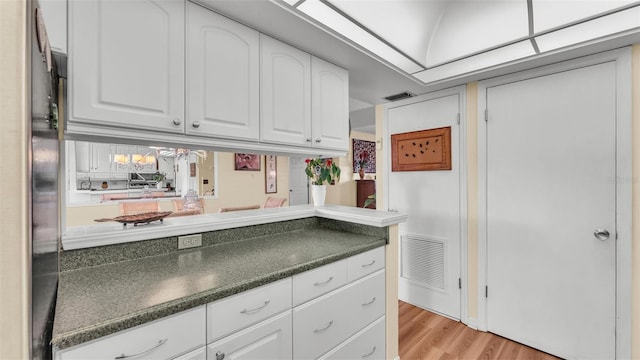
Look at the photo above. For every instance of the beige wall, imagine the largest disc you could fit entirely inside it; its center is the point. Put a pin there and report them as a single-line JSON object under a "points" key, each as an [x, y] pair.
{"points": [[234, 188], [243, 188], [344, 192], [14, 211]]}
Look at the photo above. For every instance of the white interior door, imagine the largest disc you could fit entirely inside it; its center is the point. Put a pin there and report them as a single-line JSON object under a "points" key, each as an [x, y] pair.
{"points": [[551, 170], [298, 182], [430, 238]]}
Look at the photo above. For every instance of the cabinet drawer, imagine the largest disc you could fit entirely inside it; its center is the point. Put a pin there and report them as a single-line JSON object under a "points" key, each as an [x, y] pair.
{"points": [[313, 283], [161, 339], [368, 302], [325, 322], [270, 339], [369, 343], [250, 307], [366, 263]]}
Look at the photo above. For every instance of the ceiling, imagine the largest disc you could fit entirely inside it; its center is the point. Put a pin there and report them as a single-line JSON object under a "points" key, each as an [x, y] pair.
{"points": [[421, 46]]}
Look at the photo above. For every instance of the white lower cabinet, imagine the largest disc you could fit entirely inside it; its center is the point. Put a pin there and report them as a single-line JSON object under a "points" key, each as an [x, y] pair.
{"points": [[368, 343], [268, 340], [322, 324], [165, 338]]}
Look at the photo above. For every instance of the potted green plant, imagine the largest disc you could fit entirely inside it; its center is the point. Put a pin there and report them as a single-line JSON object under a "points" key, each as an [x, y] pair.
{"points": [[321, 172], [158, 177]]}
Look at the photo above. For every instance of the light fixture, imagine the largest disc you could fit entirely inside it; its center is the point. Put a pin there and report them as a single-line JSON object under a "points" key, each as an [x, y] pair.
{"points": [[348, 28]]}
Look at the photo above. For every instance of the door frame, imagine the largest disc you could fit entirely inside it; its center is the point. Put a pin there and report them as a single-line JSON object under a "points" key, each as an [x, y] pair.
{"points": [[622, 59], [461, 91]]}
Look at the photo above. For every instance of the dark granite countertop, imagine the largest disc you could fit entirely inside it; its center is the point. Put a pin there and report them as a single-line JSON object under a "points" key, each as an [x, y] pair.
{"points": [[101, 300]]}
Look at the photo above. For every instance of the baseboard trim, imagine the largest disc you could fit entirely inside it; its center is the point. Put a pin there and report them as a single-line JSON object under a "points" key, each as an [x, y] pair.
{"points": [[472, 323]]}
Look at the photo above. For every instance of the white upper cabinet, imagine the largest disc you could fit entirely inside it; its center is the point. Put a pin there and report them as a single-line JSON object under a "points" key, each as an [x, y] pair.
{"points": [[223, 65], [100, 158], [286, 93], [126, 64], [330, 105]]}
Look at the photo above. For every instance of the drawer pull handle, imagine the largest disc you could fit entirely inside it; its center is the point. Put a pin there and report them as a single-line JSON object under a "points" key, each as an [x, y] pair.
{"points": [[318, 331], [160, 343], [369, 264], [246, 311], [323, 283], [371, 353], [370, 302]]}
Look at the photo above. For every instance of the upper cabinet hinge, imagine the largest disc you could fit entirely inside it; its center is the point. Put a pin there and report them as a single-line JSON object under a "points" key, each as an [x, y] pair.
{"points": [[486, 114], [458, 119]]}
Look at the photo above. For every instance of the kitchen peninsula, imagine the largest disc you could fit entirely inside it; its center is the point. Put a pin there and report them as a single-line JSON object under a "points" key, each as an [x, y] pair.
{"points": [[252, 260]]}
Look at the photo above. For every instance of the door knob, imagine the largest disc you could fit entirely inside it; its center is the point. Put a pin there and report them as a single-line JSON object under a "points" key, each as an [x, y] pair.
{"points": [[196, 124], [176, 121], [601, 234]]}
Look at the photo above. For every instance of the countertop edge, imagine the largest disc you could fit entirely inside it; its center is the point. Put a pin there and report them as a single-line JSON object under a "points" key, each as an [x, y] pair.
{"points": [[129, 321], [112, 233]]}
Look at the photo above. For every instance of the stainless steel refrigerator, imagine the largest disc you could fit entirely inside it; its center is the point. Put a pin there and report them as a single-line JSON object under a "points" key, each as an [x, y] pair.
{"points": [[44, 159]]}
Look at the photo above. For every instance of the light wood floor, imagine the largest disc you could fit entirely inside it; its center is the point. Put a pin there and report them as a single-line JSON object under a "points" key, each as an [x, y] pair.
{"points": [[428, 336]]}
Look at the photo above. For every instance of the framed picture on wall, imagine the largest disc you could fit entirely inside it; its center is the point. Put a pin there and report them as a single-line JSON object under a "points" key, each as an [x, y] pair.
{"points": [[247, 162], [421, 150], [271, 174], [364, 156]]}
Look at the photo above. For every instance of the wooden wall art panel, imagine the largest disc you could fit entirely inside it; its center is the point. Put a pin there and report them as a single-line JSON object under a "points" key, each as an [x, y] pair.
{"points": [[421, 150]]}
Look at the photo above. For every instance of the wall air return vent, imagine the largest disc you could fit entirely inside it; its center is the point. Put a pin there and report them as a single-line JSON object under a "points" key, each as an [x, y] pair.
{"points": [[400, 96]]}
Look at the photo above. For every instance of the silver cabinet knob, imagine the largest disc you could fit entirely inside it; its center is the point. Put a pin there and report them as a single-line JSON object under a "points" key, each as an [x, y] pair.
{"points": [[196, 124], [318, 140], [177, 121], [308, 139], [601, 234], [220, 355]]}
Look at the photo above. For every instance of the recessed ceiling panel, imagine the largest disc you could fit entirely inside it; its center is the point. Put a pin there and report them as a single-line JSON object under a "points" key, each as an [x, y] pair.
{"points": [[341, 25], [470, 26], [478, 62], [611, 24], [407, 24], [549, 14]]}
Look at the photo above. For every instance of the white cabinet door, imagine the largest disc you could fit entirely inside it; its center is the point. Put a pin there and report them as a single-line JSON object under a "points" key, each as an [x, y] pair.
{"points": [[268, 340], [286, 93], [100, 158], [223, 64], [126, 64], [330, 105], [83, 161]]}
